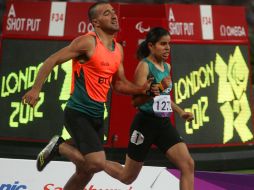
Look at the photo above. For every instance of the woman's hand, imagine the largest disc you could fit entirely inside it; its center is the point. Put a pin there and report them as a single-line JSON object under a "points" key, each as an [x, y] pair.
{"points": [[188, 116], [165, 83]]}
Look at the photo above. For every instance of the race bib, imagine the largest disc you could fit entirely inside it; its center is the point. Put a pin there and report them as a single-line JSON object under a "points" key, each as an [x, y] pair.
{"points": [[162, 106]]}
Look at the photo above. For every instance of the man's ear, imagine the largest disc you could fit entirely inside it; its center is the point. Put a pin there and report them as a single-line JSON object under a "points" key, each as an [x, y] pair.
{"points": [[95, 22]]}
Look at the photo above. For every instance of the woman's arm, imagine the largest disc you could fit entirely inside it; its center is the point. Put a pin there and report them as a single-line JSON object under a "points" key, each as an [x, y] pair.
{"points": [[188, 116]]}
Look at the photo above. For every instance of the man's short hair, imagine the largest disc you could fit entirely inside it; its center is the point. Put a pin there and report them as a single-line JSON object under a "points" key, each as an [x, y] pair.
{"points": [[92, 9]]}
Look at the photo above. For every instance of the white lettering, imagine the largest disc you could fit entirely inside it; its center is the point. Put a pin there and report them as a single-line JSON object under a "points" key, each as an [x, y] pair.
{"points": [[188, 29], [33, 24], [15, 24], [12, 11], [82, 27], [223, 30], [175, 28], [90, 27], [181, 28], [171, 16], [21, 24], [237, 31]]}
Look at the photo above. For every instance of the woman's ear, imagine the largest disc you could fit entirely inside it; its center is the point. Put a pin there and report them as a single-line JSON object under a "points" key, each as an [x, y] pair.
{"points": [[150, 45]]}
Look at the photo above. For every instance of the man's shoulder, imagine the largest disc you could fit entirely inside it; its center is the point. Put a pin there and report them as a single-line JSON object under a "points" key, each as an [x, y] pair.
{"points": [[86, 37], [119, 45], [84, 41]]}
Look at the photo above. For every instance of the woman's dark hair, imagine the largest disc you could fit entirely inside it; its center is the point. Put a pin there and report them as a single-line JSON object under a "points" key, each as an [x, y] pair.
{"points": [[153, 36]]}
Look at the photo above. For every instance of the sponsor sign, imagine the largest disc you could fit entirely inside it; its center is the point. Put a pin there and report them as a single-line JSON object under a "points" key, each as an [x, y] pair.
{"points": [[22, 175], [77, 22], [230, 23]]}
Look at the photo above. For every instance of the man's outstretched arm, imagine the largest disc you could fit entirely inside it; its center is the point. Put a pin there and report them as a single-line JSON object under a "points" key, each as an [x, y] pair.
{"points": [[77, 47]]}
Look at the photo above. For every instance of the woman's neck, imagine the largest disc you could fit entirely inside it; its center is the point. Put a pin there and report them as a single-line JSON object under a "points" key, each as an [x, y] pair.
{"points": [[157, 63], [155, 60]]}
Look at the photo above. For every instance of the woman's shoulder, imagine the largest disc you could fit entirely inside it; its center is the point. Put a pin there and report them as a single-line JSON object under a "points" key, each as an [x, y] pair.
{"points": [[167, 65]]}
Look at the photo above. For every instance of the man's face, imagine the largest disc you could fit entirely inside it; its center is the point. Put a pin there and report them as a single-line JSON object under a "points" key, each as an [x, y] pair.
{"points": [[106, 18]]}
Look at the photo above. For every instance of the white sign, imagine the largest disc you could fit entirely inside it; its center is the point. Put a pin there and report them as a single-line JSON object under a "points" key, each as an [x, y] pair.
{"points": [[206, 22], [19, 24], [179, 28], [19, 174], [57, 18]]}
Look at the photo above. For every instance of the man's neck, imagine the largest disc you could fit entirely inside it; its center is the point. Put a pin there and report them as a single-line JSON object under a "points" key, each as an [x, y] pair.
{"points": [[106, 39]]}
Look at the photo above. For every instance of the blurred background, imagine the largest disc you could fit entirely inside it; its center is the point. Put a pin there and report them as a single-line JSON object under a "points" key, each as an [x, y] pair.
{"points": [[209, 159], [248, 4]]}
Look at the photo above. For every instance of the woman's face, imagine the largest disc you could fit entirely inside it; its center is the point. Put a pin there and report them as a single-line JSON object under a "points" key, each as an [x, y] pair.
{"points": [[161, 48]]}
